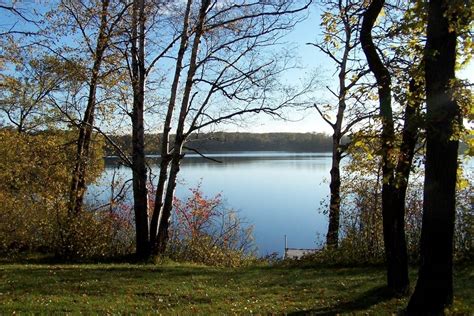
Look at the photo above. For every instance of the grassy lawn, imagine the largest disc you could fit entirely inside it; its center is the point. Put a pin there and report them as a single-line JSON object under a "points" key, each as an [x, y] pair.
{"points": [[173, 288]]}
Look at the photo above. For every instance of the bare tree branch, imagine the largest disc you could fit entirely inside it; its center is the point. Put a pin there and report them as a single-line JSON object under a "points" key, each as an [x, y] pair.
{"points": [[201, 154]]}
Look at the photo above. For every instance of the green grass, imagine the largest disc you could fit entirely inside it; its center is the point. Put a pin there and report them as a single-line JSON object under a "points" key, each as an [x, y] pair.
{"points": [[173, 288]]}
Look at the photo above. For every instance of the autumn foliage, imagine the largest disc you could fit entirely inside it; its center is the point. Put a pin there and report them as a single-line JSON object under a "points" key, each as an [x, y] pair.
{"points": [[34, 186], [204, 231]]}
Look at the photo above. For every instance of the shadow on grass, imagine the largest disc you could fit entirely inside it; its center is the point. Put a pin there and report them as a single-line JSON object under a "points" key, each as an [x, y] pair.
{"points": [[51, 259], [360, 303]]}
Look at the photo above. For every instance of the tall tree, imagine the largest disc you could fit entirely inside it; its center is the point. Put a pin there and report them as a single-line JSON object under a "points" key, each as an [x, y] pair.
{"points": [[434, 288], [342, 17], [93, 29], [141, 29], [165, 137], [229, 74], [393, 217], [163, 224], [139, 179], [78, 182]]}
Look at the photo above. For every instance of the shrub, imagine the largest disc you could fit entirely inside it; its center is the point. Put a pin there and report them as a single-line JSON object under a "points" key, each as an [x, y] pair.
{"points": [[34, 188], [361, 232], [98, 234], [204, 231]]}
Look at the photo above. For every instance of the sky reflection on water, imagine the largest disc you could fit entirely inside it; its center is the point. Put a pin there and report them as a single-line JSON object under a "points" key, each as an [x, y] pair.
{"points": [[278, 193]]}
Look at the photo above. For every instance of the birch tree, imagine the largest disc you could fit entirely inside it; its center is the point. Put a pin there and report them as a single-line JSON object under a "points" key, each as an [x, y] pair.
{"points": [[229, 72], [140, 64]]}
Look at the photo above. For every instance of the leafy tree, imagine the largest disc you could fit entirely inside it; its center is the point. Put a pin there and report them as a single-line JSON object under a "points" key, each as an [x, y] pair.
{"points": [[395, 172], [94, 27], [434, 288], [26, 92], [35, 173], [342, 17]]}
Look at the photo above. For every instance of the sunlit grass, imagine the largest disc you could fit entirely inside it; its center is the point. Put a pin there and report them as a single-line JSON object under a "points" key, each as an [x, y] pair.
{"points": [[173, 288]]}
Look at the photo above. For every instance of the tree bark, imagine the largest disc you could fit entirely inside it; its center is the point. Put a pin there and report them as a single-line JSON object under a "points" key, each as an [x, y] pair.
{"points": [[78, 181], [402, 173], [400, 186], [332, 237], [393, 223], [165, 216], [164, 223], [165, 150], [139, 179], [434, 288]]}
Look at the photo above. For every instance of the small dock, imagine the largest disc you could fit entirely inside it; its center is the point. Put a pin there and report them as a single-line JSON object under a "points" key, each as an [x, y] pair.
{"points": [[296, 253]]}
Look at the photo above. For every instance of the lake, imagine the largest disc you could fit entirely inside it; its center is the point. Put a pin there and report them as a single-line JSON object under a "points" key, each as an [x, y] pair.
{"points": [[279, 193]]}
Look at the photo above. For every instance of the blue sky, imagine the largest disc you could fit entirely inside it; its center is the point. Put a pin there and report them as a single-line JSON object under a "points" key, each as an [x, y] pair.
{"points": [[311, 61]]}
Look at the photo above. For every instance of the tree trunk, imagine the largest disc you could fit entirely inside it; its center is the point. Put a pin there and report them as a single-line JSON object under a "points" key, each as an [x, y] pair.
{"points": [[332, 237], [139, 179], [164, 222], [165, 150], [165, 214], [402, 172], [393, 224], [78, 181], [140, 191], [434, 288]]}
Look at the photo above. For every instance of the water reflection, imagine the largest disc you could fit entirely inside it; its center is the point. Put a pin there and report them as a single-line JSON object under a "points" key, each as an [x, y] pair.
{"points": [[238, 158], [279, 193]]}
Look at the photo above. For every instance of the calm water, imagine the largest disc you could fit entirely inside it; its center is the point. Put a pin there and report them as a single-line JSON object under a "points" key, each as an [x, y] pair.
{"points": [[278, 193]]}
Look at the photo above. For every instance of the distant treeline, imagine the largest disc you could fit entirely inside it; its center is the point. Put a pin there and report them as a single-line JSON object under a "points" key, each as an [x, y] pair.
{"points": [[220, 141]]}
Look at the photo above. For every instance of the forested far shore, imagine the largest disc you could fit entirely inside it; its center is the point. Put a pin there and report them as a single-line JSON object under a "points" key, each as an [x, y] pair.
{"points": [[234, 141]]}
